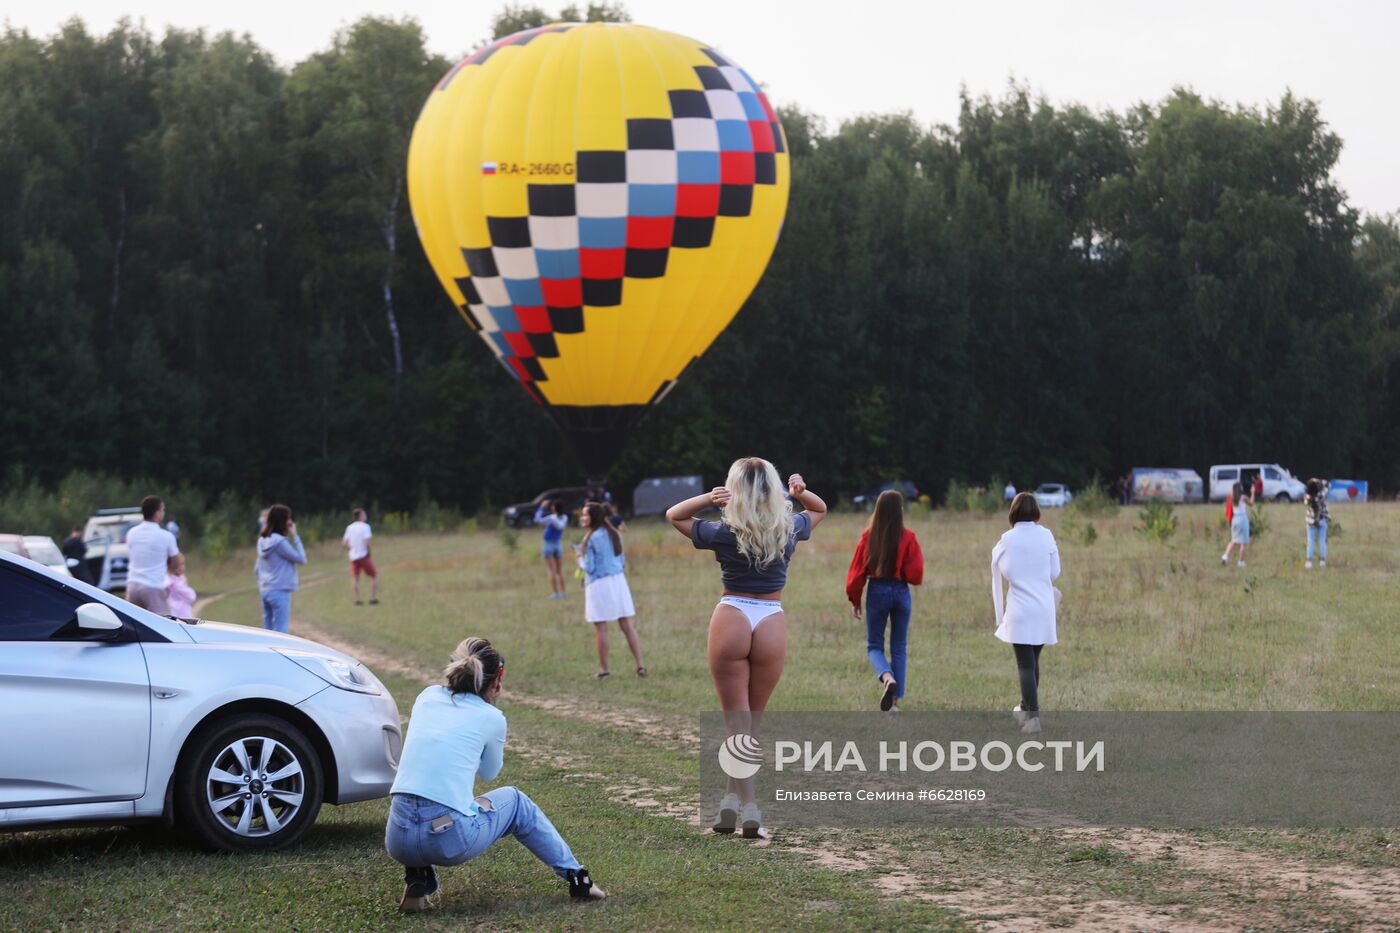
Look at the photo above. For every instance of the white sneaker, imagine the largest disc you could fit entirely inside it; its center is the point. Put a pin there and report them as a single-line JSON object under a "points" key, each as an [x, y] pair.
{"points": [[1241, 563], [728, 814], [1224, 560], [1307, 565], [1032, 724], [1018, 714], [1322, 563], [750, 821]]}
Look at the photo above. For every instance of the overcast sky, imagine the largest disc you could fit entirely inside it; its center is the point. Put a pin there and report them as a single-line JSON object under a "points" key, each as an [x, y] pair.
{"points": [[843, 58]]}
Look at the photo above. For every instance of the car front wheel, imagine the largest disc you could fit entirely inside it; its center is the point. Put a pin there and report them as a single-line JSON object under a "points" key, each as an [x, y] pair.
{"points": [[248, 783], [1282, 497]]}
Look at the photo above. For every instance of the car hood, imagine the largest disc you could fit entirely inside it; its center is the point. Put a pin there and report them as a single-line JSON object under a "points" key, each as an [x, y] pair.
{"points": [[225, 633]]}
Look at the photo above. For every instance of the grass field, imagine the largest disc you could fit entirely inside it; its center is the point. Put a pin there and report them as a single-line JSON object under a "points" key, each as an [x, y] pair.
{"points": [[1143, 626]]}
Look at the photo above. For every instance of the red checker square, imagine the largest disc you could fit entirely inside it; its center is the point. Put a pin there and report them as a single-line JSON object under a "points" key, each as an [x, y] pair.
{"points": [[762, 136], [561, 293], [519, 345], [648, 233], [534, 320], [736, 168], [767, 108], [697, 200], [602, 263], [520, 370]]}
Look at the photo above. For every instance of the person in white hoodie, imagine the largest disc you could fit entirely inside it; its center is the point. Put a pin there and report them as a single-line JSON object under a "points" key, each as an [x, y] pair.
{"points": [[279, 552], [1026, 558]]}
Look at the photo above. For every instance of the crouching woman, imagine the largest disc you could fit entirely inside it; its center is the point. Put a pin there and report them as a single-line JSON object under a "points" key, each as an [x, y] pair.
{"points": [[456, 734]]}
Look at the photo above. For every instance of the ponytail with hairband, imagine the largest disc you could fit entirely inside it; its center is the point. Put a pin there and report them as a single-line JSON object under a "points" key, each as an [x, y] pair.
{"points": [[475, 666]]}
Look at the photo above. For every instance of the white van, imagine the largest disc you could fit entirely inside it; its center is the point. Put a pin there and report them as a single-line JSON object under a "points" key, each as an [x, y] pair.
{"points": [[1279, 484]]}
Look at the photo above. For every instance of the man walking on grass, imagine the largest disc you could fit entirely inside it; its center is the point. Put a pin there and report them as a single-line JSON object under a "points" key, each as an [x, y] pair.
{"points": [[356, 541], [151, 551]]}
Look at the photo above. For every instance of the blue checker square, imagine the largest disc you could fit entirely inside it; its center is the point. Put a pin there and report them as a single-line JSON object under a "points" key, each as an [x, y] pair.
{"points": [[651, 200], [601, 233], [559, 263], [524, 293], [698, 168], [499, 340], [734, 136], [752, 108]]}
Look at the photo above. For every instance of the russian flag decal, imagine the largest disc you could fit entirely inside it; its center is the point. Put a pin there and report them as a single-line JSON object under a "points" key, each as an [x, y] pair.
{"points": [[488, 168]]}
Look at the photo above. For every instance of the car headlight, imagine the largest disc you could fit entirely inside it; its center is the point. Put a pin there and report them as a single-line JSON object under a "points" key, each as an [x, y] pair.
{"points": [[511, 511], [337, 673]]}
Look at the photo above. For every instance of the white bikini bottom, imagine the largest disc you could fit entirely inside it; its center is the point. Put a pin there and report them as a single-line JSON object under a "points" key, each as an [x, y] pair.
{"points": [[755, 610]]}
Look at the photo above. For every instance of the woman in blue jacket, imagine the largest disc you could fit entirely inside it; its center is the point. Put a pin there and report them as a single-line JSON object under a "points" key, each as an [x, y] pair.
{"points": [[606, 595], [279, 552], [455, 734]]}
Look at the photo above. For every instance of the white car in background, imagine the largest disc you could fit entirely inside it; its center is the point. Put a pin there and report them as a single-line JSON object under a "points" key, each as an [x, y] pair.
{"points": [[43, 550], [1052, 495], [112, 714], [1279, 484]]}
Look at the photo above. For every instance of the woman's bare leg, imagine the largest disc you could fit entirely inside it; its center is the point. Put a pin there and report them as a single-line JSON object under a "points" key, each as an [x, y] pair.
{"points": [[600, 631], [629, 631], [556, 575]]}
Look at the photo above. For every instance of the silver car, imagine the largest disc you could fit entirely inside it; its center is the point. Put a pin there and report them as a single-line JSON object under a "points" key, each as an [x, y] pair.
{"points": [[112, 714]]}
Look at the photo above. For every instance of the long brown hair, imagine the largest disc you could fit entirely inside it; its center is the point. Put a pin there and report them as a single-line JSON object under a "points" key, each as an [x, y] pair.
{"points": [[277, 518], [885, 531], [598, 518]]}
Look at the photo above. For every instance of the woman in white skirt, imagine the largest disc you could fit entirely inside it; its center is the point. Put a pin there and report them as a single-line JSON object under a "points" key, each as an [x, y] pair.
{"points": [[606, 595], [1028, 559]]}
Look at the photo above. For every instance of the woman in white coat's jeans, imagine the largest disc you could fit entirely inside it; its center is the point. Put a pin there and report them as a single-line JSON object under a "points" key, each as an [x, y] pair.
{"points": [[1026, 558]]}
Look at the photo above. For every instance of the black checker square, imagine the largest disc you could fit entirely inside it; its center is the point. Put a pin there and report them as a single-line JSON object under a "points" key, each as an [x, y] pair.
{"points": [[690, 104], [777, 137], [543, 345], [551, 200], [715, 57], [646, 263], [693, 232], [765, 169], [472, 320], [601, 167], [602, 293], [566, 320], [650, 134], [735, 200], [711, 79], [533, 367], [481, 262], [468, 289], [509, 232]]}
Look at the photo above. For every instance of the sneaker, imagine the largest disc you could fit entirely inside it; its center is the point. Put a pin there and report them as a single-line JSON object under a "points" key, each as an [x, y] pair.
{"points": [[1018, 714], [1322, 563], [1241, 563], [1224, 560], [581, 885], [888, 697], [1032, 724], [374, 602], [359, 602], [1307, 565], [728, 817], [419, 889], [750, 821], [641, 672]]}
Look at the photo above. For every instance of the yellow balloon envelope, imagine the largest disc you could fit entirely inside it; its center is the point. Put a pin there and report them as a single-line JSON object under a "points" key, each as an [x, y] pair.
{"points": [[598, 201]]}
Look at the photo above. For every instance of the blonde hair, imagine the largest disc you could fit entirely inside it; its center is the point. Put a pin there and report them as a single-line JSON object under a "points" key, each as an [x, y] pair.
{"points": [[758, 512], [475, 665]]}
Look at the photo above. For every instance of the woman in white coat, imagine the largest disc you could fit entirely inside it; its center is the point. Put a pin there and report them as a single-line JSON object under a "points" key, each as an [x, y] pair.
{"points": [[1026, 558]]}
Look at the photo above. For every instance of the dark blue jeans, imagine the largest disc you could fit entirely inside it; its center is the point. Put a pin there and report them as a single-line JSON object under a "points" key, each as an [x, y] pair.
{"points": [[887, 601]]}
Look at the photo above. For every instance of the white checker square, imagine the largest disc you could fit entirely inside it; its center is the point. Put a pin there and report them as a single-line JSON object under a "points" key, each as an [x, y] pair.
{"points": [[651, 167], [736, 78], [484, 318], [516, 263], [492, 291], [696, 134], [554, 232], [725, 105], [601, 200]]}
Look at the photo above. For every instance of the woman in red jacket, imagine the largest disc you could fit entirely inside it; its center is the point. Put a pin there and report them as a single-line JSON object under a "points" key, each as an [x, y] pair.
{"points": [[889, 555]]}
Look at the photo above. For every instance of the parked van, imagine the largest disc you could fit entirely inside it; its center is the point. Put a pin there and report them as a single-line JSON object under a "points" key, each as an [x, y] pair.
{"points": [[1168, 483], [1279, 484]]}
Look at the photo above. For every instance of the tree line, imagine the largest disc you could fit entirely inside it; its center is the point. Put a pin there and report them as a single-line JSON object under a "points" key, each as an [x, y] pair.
{"points": [[209, 276]]}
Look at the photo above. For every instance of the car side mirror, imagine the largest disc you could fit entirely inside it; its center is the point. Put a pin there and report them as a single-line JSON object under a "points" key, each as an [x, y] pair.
{"points": [[72, 562], [95, 617]]}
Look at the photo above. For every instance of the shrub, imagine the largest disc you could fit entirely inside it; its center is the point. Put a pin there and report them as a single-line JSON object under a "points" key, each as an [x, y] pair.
{"points": [[1159, 520], [1258, 521], [986, 500], [1080, 529], [510, 539], [1093, 501], [955, 496]]}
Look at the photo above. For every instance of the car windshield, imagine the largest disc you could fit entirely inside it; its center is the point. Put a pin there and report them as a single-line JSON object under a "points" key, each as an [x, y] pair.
{"points": [[10, 547], [1050, 488], [46, 554]]}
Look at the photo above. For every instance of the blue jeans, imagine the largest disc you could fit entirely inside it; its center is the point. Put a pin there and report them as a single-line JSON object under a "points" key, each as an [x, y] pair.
{"points": [[277, 610], [411, 840], [888, 601], [1317, 535]]}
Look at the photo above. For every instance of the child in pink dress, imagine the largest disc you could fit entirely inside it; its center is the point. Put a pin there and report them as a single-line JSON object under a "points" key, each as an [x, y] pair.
{"points": [[179, 593]]}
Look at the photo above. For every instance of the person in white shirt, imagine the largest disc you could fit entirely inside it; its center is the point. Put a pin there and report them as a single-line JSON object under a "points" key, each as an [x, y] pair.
{"points": [[150, 552], [1009, 492], [356, 541], [1027, 558]]}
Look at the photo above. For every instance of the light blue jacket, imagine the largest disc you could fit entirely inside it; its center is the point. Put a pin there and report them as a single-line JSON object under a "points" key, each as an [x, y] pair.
{"points": [[278, 557], [599, 560], [453, 738]]}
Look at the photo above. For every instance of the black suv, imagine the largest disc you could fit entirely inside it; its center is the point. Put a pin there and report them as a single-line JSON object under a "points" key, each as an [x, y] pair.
{"points": [[522, 514]]}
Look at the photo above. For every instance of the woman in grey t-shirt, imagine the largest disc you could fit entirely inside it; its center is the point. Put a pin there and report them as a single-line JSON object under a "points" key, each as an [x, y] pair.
{"points": [[753, 543]]}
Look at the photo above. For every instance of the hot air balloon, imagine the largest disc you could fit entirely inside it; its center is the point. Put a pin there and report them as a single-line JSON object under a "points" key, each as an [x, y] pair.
{"points": [[598, 200]]}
